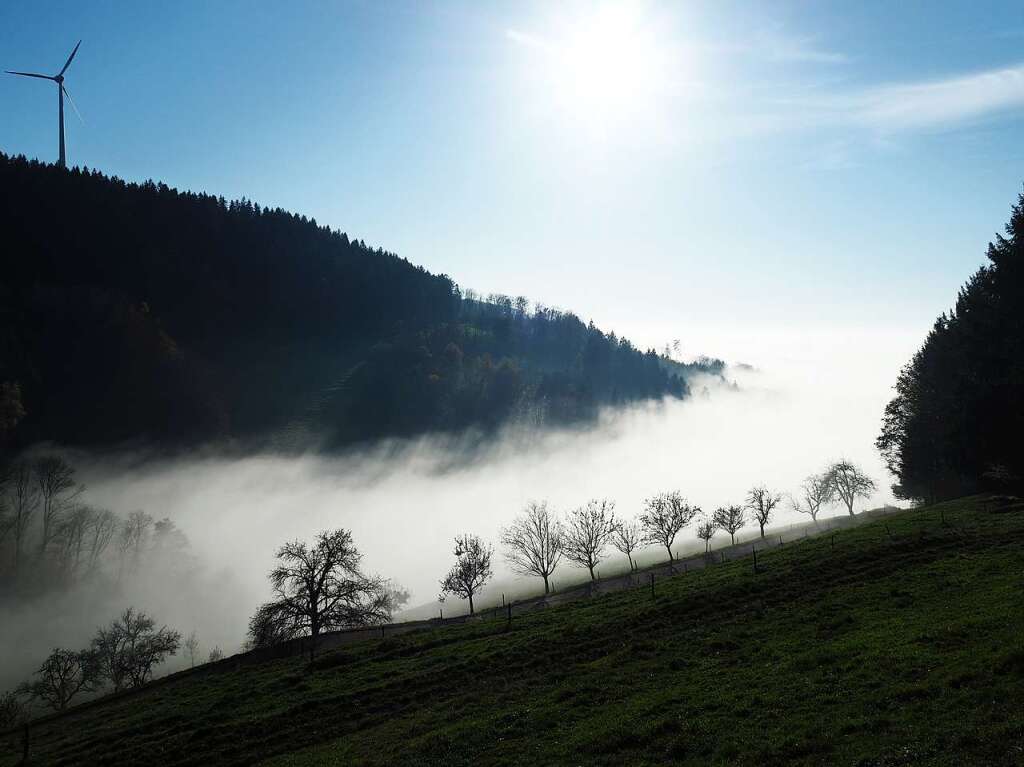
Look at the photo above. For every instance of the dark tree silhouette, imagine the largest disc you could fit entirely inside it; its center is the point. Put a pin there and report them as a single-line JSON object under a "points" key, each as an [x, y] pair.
{"points": [[762, 502], [320, 588], [534, 542], [471, 571], [627, 538], [664, 516], [848, 483], [129, 649], [587, 532], [815, 492], [954, 426], [731, 519], [706, 529], [63, 675]]}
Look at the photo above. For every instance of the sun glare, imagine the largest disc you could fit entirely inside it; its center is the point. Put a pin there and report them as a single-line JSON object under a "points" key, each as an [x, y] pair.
{"points": [[609, 62]]}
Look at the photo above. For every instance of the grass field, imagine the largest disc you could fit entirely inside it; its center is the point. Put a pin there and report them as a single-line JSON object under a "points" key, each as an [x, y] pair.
{"points": [[902, 645]]}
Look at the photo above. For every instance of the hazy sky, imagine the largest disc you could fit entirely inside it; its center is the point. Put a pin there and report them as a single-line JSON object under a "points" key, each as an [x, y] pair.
{"points": [[730, 174]]}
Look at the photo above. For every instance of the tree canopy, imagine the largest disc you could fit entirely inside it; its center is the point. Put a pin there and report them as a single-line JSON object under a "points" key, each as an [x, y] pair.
{"points": [[955, 424]]}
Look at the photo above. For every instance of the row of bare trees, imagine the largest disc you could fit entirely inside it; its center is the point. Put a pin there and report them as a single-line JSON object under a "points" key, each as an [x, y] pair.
{"points": [[49, 532], [537, 540]]}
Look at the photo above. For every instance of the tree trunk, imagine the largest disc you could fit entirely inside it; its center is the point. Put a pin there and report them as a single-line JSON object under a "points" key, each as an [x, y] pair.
{"points": [[849, 508], [669, 550], [632, 567], [762, 529], [592, 573], [546, 585], [470, 604], [707, 545], [733, 536]]}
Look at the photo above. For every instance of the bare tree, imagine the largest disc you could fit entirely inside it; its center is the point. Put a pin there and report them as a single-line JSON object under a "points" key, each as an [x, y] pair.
{"points": [[63, 675], [55, 482], [134, 536], [664, 516], [472, 568], [731, 519], [192, 648], [72, 537], [849, 483], [627, 538], [534, 542], [12, 710], [100, 533], [130, 648], [588, 531], [320, 588], [216, 654], [762, 502], [815, 492], [706, 529], [23, 502]]}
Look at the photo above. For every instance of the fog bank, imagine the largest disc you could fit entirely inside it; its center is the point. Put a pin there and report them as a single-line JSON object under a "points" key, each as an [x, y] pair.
{"points": [[405, 501]]}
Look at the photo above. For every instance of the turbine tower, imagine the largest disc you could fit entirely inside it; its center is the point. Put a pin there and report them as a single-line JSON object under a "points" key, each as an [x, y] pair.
{"points": [[61, 93]]}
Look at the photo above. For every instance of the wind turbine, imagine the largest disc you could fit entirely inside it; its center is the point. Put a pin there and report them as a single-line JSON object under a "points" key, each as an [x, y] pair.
{"points": [[61, 93]]}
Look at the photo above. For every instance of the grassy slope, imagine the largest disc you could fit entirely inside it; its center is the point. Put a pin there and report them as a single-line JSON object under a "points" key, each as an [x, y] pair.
{"points": [[906, 649]]}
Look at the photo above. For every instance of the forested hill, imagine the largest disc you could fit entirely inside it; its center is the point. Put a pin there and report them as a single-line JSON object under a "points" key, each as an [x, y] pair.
{"points": [[138, 311]]}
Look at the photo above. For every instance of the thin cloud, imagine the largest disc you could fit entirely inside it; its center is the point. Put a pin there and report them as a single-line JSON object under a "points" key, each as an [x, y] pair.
{"points": [[951, 101]]}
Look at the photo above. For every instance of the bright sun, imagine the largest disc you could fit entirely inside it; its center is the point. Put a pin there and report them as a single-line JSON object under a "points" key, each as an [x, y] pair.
{"points": [[608, 63]]}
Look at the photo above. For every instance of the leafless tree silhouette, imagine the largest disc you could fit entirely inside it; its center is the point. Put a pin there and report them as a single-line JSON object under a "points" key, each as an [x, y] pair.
{"points": [[664, 515], [588, 531], [706, 529], [534, 542], [762, 502], [731, 519], [320, 588], [627, 538], [472, 569], [849, 483], [815, 492]]}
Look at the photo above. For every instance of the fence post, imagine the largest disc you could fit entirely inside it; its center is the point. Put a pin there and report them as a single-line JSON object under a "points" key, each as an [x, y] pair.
{"points": [[440, 612], [508, 607], [382, 631], [780, 540], [503, 600], [723, 556], [753, 550], [652, 585]]}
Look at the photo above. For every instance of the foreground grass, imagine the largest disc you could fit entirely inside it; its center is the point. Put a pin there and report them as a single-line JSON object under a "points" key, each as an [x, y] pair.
{"points": [[903, 645]]}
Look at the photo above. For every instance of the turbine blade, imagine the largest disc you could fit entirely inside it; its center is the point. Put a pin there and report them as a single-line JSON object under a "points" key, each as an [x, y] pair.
{"points": [[29, 74], [73, 105], [68, 62]]}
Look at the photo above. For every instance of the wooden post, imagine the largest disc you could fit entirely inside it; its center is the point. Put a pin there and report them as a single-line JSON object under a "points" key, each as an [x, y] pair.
{"points": [[502, 600], [723, 556], [382, 631], [753, 550], [508, 607], [780, 540], [652, 585], [440, 611]]}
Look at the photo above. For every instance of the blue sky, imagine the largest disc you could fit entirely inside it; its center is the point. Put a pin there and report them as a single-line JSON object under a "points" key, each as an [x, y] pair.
{"points": [[742, 176]]}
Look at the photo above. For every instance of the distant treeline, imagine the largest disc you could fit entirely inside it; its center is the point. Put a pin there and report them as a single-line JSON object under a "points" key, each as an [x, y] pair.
{"points": [[138, 311], [956, 423]]}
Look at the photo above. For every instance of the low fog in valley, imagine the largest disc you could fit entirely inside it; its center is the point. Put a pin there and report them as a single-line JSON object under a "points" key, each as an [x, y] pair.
{"points": [[788, 414]]}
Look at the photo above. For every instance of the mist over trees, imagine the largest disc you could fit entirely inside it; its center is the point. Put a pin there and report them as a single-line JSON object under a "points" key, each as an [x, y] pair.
{"points": [[954, 426], [175, 312]]}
